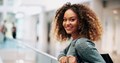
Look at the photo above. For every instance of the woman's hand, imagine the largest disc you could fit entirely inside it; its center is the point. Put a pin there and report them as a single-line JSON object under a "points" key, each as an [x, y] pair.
{"points": [[63, 59], [72, 59], [68, 59]]}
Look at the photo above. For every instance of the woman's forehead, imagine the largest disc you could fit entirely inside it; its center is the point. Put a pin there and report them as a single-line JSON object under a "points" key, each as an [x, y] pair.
{"points": [[70, 13]]}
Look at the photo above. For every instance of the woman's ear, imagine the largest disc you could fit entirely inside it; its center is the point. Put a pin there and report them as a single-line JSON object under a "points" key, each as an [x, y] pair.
{"points": [[79, 25]]}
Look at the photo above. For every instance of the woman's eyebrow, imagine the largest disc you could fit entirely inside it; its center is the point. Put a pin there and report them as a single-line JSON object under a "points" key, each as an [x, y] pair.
{"points": [[73, 17], [70, 17]]}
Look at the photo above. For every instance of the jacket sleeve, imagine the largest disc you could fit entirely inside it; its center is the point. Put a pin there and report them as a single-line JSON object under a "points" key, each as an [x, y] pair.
{"points": [[86, 49], [64, 52]]}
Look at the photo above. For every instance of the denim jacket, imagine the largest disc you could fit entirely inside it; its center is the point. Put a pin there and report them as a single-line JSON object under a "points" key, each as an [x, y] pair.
{"points": [[84, 50]]}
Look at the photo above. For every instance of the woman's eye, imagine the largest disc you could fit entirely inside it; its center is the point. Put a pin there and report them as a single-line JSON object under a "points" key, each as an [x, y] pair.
{"points": [[72, 20]]}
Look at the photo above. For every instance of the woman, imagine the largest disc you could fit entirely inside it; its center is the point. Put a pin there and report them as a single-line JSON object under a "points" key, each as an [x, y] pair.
{"points": [[80, 23]]}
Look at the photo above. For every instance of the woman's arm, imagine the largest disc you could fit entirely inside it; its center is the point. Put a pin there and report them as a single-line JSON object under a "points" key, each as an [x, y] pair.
{"points": [[64, 52]]}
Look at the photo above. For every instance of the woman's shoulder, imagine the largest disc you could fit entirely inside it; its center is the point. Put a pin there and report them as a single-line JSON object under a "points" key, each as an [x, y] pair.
{"points": [[84, 43], [86, 49]]}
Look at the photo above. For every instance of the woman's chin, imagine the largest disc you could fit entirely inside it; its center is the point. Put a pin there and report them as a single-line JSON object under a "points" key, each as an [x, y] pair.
{"points": [[68, 32]]}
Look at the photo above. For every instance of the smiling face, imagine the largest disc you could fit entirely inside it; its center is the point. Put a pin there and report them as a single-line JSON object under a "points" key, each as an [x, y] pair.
{"points": [[70, 22]]}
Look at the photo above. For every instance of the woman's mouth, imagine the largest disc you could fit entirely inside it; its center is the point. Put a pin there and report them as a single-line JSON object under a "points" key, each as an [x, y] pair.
{"points": [[68, 28]]}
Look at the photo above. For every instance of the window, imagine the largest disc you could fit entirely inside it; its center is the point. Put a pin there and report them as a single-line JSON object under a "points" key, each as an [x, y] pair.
{"points": [[1, 2], [1, 16], [10, 2]]}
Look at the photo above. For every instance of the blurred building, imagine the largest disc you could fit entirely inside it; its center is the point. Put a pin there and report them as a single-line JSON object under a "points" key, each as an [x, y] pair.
{"points": [[33, 20]]}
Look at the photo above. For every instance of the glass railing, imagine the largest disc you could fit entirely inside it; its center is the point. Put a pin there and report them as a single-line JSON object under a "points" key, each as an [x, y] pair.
{"points": [[17, 51]]}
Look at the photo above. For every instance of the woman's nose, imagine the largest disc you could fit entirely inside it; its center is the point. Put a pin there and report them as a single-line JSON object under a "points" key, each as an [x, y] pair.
{"points": [[67, 22]]}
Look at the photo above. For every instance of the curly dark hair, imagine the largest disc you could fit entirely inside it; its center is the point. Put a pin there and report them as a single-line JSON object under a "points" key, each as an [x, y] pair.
{"points": [[90, 26]]}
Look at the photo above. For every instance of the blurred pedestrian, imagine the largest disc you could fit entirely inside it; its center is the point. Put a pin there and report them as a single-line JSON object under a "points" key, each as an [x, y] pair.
{"points": [[14, 31], [4, 29]]}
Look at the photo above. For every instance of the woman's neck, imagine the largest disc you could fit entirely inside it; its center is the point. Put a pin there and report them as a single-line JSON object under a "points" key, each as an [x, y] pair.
{"points": [[75, 36]]}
